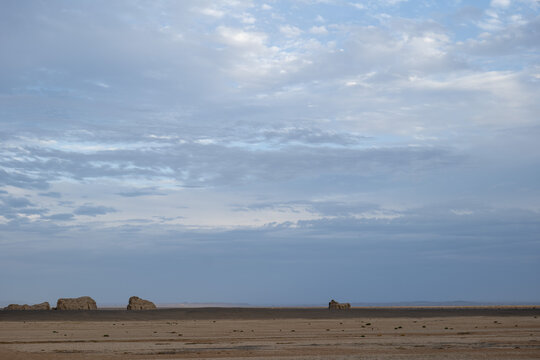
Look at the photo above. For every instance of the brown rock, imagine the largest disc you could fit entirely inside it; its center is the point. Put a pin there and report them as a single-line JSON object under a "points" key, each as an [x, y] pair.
{"points": [[80, 303], [136, 303], [17, 307], [42, 306], [334, 305]]}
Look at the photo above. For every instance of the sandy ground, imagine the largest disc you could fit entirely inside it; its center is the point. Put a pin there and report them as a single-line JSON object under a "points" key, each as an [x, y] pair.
{"points": [[272, 335]]}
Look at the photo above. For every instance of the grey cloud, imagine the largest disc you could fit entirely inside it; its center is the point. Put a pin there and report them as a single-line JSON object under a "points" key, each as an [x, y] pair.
{"points": [[22, 180], [52, 194], [16, 208], [33, 211], [433, 231], [491, 228], [311, 136], [341, 208], [167, 218], [59, 60], [513, 40], [279, 206], [141, 192], [322, 208], [424, 245], [194, 164], [91, 210], [16, 202], [59, 217]]}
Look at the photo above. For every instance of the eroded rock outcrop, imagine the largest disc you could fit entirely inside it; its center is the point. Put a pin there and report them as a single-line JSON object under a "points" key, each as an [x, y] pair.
{"points": [[42, 306], [80, 303], [334, 305], [136, 303]]}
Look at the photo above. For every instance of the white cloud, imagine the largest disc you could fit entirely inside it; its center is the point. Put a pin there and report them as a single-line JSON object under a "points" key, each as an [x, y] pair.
{"points": [[392, 2], [319, 30], [517, 20], [290, 31], [247, 18], [492, 22], [213, 12], [359, 6], [497, 96], [461, 212], [501, 3], [242, 38], [100, 84]]}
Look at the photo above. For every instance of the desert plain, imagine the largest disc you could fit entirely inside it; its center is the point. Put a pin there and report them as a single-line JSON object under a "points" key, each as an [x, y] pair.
{"points": [[274, 333]]}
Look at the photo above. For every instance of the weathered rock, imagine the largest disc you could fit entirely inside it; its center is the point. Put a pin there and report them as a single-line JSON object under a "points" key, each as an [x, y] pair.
{"points": [[136, 303], [80, 303], [17, 307], [334, 305], [42, 306]]}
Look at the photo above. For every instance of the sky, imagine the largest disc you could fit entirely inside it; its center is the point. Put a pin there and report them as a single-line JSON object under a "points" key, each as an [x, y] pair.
{"points": [[270, 152]]}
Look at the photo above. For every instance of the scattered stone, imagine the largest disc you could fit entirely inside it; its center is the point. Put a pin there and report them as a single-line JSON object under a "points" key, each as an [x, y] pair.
{"points": [[334, 305], [80, 303], [136, 303], [42, 306]]}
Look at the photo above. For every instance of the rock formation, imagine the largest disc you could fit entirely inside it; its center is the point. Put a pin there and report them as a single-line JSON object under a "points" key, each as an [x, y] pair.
{"points": [[42, 306], [80, 303], [136, 303], [334, 305]]}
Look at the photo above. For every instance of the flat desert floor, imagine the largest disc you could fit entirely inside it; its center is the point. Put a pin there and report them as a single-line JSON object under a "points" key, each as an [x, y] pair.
{"points": [[273, 333]]}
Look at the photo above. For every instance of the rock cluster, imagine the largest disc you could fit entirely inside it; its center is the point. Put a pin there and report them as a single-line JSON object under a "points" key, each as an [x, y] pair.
{"points": [[334, 305], [136, 303], [42, 306], [80, 303]]}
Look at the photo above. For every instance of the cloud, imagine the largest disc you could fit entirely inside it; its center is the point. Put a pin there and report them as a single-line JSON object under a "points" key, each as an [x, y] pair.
{"points": [[290, 31], [311, 136], [141, 192], [60, 217], [359, 6], [466, 249], [241, 38], [249, 133], [319, 30], [52, 194], [21, 180], [16, 208], [501, 3], [16, 202], [212, 12], [91, 210], [505, 40], [322, 208]]}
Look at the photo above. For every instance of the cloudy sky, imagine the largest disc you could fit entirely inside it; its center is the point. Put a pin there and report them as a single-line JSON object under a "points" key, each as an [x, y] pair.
{"points": [[270, 152]]}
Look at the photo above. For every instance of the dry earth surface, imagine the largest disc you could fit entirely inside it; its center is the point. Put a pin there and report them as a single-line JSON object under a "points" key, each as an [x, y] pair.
{"points": [[265, 333]]}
